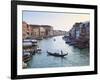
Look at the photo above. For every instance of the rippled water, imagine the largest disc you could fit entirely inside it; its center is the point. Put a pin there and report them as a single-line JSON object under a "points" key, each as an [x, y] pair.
{"points": [[75, 57]]}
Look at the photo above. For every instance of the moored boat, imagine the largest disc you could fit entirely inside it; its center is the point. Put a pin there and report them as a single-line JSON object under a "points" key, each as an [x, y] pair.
{"points": [[26, 56], [24, 65], [38, 50]]}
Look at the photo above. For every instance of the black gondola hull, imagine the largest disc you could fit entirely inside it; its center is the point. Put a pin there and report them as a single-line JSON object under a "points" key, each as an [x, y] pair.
{"points": [[57, 54]]}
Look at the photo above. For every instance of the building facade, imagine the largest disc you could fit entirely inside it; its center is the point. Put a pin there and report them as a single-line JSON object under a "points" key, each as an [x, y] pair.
{"points": [[79, 34], [39, 31], [35, 31], [26, 30], [48, 30]]}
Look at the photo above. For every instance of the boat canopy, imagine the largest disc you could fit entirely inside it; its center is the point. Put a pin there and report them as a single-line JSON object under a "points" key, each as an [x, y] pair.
{"points": [[26, 53], [30, 40], [27, 43]]}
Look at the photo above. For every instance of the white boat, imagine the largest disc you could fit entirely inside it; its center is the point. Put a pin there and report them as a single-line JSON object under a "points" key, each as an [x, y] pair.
{"points": [[27, 43], [30, 40]]}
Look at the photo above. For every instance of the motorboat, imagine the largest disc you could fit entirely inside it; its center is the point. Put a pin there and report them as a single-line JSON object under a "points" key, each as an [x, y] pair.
{"points": [[38, 49]]}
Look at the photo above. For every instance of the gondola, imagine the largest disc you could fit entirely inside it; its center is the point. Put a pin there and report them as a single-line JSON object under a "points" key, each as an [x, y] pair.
{"points": [[57, 54]]}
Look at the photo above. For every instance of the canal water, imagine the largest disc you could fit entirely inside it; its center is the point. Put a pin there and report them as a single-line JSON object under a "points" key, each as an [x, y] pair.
{"points": [[75, 57]]}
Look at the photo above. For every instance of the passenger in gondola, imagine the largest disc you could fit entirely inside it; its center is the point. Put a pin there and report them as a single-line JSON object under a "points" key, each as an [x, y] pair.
{"points": [[61, 52]]}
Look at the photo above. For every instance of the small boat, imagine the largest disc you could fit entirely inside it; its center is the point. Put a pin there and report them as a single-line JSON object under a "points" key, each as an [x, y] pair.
{"points": [[57, 54], [54, 39], [38, 49], [24, 65], [26, 56]]}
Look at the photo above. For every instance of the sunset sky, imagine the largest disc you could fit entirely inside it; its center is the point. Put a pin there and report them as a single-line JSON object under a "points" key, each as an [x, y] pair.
{"points": [[59, 21]]}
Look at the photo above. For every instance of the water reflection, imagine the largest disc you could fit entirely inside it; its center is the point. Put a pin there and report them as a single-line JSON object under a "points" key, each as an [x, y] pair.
{"points": [[75, 57]]}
